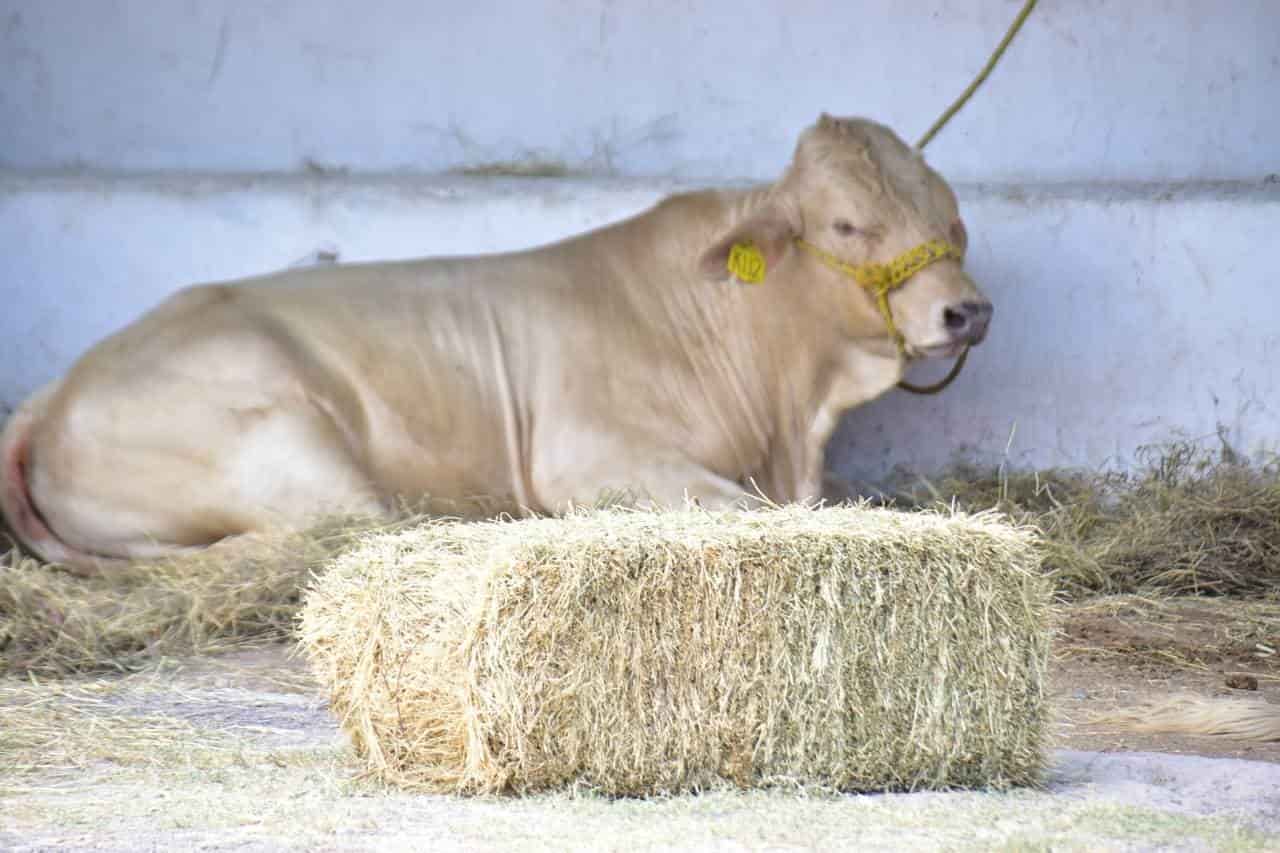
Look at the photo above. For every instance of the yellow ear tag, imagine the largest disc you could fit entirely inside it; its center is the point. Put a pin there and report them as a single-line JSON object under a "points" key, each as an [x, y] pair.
{"points": [[747, 262]]}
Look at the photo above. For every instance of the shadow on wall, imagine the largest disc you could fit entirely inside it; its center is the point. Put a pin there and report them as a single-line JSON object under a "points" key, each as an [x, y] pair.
{"points": [[902, 432]]}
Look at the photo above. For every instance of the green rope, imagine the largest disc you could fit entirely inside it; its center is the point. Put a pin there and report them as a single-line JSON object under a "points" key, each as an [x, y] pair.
{"points": [[982, 75]]}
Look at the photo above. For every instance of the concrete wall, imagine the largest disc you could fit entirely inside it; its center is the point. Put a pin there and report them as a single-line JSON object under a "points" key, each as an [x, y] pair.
{"points": [[1113, 173], [1095, 89]]}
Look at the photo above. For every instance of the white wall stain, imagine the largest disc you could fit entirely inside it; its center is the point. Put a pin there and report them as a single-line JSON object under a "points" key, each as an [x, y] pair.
{"points": [[220, 49]]}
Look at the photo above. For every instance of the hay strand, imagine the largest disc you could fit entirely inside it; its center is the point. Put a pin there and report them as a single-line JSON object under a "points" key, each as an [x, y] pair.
{"points": [[640, 653]]}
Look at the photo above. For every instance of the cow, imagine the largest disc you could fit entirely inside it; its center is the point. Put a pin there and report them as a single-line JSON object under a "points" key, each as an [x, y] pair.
{"points": [[701, 350]]}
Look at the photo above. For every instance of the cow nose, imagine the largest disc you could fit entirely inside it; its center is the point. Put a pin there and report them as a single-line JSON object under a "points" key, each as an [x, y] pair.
{"points": [[968, 321]]}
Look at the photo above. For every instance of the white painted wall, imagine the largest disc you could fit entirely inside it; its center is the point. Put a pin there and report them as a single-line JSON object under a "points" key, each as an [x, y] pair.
{"points": [[1093, 90], [1113, 173]]}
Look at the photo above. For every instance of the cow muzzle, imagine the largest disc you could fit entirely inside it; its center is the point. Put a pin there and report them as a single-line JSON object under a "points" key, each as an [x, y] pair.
{"points": [[967, 322]]}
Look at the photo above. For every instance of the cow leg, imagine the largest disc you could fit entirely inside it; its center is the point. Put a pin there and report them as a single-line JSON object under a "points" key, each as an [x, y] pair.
{"points": [[118, 484], [653, 480], [792, 471]]}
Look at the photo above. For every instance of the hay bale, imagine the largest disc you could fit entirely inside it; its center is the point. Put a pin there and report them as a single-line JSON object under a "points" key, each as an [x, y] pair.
{"points": [[637, 653]]}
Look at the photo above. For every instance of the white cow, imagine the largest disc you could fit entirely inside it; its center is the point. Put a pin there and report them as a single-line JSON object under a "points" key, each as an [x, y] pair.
{"points": [[704, 348]]}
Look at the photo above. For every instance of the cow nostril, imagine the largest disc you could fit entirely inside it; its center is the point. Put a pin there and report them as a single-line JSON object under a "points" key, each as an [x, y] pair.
{"points": [[967, 318], [956, 321]]}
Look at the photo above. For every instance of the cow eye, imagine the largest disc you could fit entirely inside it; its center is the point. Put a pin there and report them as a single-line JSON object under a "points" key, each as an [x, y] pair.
{"points": [[844, 228]]}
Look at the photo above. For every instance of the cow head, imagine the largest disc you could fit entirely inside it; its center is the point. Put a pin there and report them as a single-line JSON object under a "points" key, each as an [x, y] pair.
{"points": [[861, 214]]}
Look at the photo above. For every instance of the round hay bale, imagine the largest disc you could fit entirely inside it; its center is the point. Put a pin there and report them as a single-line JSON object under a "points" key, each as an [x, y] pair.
{"points": [[640, 653]]}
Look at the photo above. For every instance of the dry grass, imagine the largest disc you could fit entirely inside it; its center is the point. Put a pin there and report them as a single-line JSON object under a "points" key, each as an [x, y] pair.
{"points": [[1185, 523], [1203, 634], [52, 621], [1248, 718], [114, 764], [148, 741], [637, 652], [55, 726]]}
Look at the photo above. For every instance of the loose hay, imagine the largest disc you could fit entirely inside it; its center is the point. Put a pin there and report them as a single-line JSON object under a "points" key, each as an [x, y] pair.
{"points": [[54, 622], [640, 653], [1248, 719], [1183, 523], [1187, 523]]}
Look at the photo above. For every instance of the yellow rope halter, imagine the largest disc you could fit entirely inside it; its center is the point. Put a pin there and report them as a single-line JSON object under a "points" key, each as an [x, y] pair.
{"points": [[881, 279]]}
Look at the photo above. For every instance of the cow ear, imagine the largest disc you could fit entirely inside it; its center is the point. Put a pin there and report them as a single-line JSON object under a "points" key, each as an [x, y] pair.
{"points": [[752, 250]]}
